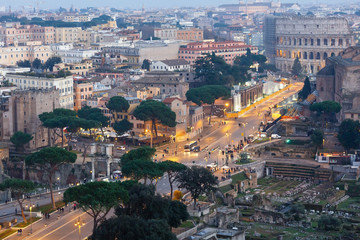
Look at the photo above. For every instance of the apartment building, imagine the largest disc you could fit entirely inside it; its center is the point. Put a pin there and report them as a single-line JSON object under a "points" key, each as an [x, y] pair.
{"points": [[170, 83], [82, 69], [63, 84], [19, 111], [228, 50], [192, 34], [82, 92], [170, 65], [64, 34], [17, 33], [75, 55], [10, 55], [77, 18]]}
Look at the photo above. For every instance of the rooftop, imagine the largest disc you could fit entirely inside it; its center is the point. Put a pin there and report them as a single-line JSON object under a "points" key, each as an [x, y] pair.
{"points": [[174, 62]]}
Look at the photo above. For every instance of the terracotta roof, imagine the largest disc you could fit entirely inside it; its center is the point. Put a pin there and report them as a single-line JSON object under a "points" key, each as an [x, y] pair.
{"points": [[170, 100]]}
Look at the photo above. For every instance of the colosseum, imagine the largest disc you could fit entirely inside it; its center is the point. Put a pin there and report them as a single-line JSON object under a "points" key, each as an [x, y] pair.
{"points": [[311, 39]]}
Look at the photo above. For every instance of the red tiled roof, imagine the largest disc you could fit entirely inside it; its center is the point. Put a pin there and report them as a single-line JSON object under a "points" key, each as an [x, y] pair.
{"points": [[170, 100]]}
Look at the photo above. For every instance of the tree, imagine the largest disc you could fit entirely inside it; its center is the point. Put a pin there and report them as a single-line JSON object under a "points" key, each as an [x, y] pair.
{"points": [[57, 121], [296, 68], [96, 198], [129, 227], [62, 118], [146, 64], [177, 213], [19, 139], [18, 189], [49, 64], [49, 160], [172, 169], [122, 127], [296, 211], [144, 203], [145, 153], [317, 137], [142, 169], [349, 134], [94, 114], [306, 90], [329, 108], [138, 164], [197, 180], [36, 63], [207, 95], [211, 69], [329, 223], [118, 104], [154, 111], [25, 63], [73, 125]]}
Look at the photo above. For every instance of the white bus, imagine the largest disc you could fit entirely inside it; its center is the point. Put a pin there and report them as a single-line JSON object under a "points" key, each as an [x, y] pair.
{"points": [[190, 146]]}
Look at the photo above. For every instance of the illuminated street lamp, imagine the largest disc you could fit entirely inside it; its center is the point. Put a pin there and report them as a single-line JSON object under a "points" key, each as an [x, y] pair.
{"points": [[79, 224], [30, 208], [151, 137]]}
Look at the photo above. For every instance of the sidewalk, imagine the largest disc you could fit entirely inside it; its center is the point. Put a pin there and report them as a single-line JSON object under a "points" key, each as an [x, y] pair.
{"points": [[40, 224]]}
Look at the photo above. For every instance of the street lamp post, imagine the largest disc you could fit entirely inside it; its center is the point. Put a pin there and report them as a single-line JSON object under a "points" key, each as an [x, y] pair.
{"points": [[151, 137], [79, 224], [30, 208]]}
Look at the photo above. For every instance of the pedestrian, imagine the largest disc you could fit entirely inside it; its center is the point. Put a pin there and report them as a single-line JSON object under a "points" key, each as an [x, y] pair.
{"points": [[15, 211]]}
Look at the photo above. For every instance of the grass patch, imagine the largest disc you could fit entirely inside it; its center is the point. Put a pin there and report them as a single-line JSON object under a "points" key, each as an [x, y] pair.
{"points": [[238, 177], [48, 207], [346, 205], [76, 152], [225, 188], [187, 224], [242, 162], [7, 233], [261, 140], [202, 198], [22, 224]]}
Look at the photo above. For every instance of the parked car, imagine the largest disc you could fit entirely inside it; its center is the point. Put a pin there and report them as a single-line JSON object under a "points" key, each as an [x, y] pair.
{"points": [[121, 148], [275, 136]]}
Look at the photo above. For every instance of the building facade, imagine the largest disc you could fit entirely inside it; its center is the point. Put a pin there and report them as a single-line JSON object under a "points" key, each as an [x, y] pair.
{"points": [[75, 55], [25, 33], [82, 92], [311, 39], [10, 55], [170, 65], [170, 83], [228, 50], [339, 81], [64, 85], [20, 110]]}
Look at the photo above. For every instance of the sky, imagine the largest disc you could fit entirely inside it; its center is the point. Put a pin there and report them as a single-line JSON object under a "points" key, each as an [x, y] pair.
{"points": [[134, 4]]}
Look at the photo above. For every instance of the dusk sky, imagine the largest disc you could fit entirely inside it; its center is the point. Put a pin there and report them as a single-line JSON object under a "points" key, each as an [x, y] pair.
{"points": [[134, 4]]}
